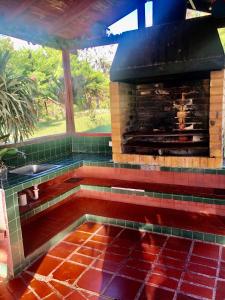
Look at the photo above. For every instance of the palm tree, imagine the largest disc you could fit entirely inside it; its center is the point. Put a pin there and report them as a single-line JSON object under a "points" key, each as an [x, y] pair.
{"points": [[17, 106]]}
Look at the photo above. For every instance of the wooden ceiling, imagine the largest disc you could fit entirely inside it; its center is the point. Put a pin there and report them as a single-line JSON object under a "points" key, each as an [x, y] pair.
{"points": [[57, 21]]}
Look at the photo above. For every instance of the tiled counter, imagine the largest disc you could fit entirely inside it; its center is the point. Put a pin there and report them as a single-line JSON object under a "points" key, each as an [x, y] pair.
{"points": [[103, 166], [16, 183]]}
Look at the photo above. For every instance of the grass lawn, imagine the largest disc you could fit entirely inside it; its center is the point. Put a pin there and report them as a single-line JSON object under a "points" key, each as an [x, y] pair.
{"points": [[82, 123]]}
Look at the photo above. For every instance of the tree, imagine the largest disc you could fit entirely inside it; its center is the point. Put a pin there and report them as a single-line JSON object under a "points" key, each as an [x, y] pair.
{"points": [[17, 108]]}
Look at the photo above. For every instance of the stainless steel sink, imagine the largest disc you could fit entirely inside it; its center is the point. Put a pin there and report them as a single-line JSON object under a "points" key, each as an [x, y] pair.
{"points": [[33, 169]]}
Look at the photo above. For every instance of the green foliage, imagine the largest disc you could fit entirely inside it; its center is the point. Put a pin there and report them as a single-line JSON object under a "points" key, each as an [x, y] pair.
{"points": [[17, 110], [7, 152], [222, 36], [44, 67]]}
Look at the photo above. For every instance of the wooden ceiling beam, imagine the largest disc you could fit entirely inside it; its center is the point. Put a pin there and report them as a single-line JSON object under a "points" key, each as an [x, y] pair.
{"points": [[20, 9], [79, 7]]}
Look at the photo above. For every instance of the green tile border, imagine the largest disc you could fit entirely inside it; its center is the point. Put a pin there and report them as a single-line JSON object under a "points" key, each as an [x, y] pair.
{"points": [[171, 231], [146, 193]]}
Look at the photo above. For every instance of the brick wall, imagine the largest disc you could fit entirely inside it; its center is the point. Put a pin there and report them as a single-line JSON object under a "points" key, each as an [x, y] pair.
{"points": [[122, 95]]}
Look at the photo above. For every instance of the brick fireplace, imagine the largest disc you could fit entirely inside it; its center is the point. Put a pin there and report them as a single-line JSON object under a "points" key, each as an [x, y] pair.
{"points": [[124, 94], [168, 107]]}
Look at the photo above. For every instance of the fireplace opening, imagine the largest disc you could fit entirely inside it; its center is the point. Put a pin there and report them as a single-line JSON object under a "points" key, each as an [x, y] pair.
{"points": [[167, 96], [168, 117]]}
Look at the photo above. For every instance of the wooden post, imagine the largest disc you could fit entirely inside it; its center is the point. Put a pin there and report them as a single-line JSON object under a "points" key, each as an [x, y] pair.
{"points": [[141, 15], [68, 92]]}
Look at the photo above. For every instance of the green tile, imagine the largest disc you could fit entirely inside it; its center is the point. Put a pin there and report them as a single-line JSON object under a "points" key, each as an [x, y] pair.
{"points": [[120, 222], [220, 239], [129, 224], [176, 231], [187, 198], [187, 234], [198, 236], [209, 238], [157, 228], [166, 230], [12, 225]]}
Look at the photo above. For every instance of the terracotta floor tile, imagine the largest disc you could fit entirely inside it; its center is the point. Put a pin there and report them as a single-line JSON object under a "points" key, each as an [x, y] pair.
{"points": [[76, 295], [44, 265], [89, 251], [162, 281], [174, 254], [178, 244], [61, 288], [122, 243], [81, 295], [94, 280], [132, 256], [143, 247], [143, 256], [199, 279], [165, 260], [167, 271], [206, 250], [138, 264], [63, 250], [95, 245], [5, 294], [53, 297], [116, 258], [202, 269], [222, 273], [154, 239], [122, 288], [17, 287], [68, 272], [185, 297], [132, 235], [40, 288], [133, 273], [106, 265], [28, 296], [220, 290], [117, 250], [102, 239], [196, 290], [154, 293], [81, 259], [111, 231], [78, 237], [223, 253], [204, 261], [89, 227]]}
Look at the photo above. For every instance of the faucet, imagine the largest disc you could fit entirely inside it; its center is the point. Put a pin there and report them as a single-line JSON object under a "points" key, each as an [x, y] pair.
{"points": [[33, 194]]}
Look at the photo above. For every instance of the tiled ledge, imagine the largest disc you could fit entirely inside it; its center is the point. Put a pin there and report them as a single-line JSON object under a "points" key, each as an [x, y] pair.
{"points": [[220, 171], [201, 236], [147, 193], [122, 191]]}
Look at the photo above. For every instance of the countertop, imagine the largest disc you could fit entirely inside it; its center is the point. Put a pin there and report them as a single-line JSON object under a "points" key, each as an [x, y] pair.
{"points": [[72, 160]]}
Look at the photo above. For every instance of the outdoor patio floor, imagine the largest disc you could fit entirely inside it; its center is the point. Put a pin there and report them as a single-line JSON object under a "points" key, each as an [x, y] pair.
{"points": [[106, 262]]}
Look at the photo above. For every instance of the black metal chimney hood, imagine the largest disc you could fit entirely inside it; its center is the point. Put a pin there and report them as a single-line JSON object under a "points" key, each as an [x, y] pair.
{"points": [[169, 49]]}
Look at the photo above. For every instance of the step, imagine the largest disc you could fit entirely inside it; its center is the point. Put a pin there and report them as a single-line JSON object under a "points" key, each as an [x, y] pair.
{"points": [[158, 189], [201, 226]]}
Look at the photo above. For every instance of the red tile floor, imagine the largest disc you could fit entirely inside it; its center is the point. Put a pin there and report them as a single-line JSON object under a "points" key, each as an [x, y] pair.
{"points": [[106, 262]]}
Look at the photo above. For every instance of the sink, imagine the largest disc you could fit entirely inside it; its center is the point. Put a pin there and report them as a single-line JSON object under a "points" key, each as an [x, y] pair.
{"points": [[34, 169]]}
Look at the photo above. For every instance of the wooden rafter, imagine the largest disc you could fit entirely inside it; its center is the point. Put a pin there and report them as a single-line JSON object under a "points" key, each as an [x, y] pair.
{"points": [[69, 15], [24, 6]]}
